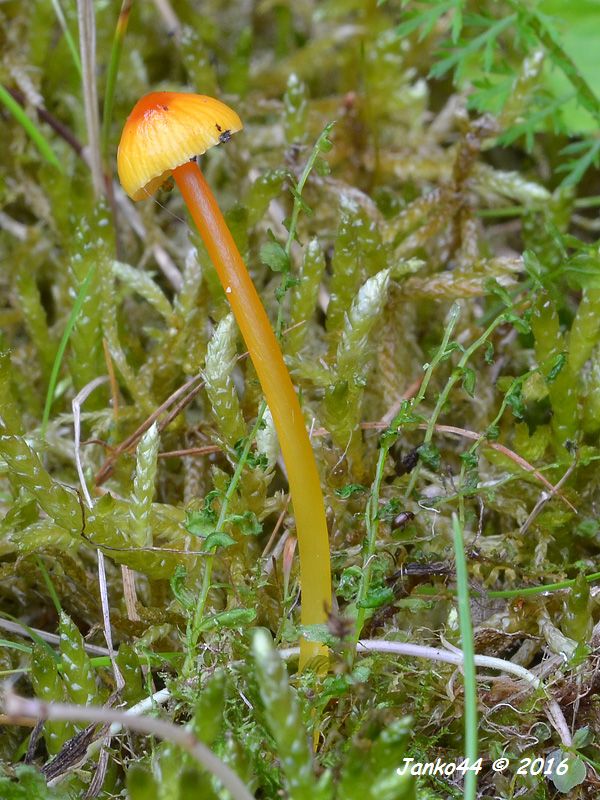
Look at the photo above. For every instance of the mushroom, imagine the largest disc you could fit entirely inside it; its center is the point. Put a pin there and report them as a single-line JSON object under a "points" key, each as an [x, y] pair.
{"points": [[162, 136]]}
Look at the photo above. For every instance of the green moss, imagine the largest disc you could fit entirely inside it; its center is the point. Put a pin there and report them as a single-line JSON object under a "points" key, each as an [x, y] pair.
{"points": [[431, 265]]}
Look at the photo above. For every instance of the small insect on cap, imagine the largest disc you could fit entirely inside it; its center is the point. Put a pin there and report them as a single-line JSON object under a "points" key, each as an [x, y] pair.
{"points": [[166, 129]]}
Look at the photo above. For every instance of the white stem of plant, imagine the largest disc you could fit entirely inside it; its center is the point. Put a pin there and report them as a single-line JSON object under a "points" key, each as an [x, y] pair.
{"points": [[16, 706], [78, 400], [554, 711], [133, 718]]}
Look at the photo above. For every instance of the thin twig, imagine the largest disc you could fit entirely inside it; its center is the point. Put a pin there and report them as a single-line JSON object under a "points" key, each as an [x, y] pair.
{"points": [[131, 441], [278, 525], [51, 638], [16, 706], [80, 398], [546, 497], [120, 683], [466, 434], [173, 25], [87, 46], [129, 593], [455, 656], [191, 451], [114, 386], [76, 404]]}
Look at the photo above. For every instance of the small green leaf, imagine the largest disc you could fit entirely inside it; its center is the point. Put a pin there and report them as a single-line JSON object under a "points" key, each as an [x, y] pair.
{"points": [[558, 362], [274, 256], [388, 438], [492, 433], [469, 459], [582, 737], [129, 664], [322, 167], [247, 523], [218, 539], [288, 282], [390, 510], [406, 416], [492, 286], [534, 269], [78, 673], [207, 721], [469, 379], [514, 399], [519, 323], [568, 771], [234, 618], [349, 582], [430, 455], [377, 597], [49, 688], [182, 594], [201, 522], [350, 489], [324, 143]]}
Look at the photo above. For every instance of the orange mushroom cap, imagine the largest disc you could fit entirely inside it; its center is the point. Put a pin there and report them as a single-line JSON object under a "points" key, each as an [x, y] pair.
{"points": [[166, 129]]}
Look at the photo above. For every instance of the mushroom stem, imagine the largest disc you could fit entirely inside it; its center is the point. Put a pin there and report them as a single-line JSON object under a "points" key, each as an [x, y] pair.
{"points": [[251, 317]]}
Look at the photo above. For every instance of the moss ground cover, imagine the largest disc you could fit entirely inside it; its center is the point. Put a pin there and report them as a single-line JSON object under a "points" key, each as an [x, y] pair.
{"points": [[415, 194]]}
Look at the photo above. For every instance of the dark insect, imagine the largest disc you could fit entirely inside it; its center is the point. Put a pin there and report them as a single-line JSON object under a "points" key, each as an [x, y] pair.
{"points": [[225, 136], [422, 571], [219, 128], [402, 520], [406, 463]]}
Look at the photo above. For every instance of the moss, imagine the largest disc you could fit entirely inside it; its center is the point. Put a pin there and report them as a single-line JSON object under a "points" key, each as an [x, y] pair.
{"points": [[434, 278]]}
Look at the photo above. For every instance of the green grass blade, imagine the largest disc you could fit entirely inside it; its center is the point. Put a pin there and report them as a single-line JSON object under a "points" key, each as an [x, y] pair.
{"points": [[111, 77], [466, 632], [49, 585], [77, 305], [22, 648], [528, 591], [69, 39], [34, 133]]}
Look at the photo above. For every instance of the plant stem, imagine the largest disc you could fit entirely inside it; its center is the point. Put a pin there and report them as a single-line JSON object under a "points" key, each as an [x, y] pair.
{"points": [[86, 14], [466, 635], [111, 79], [456, 375], [67, 33], [297, 208], [371, 511], [528, 591], [372, 525], [304, 482], [77, 306], [195, 627]]}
